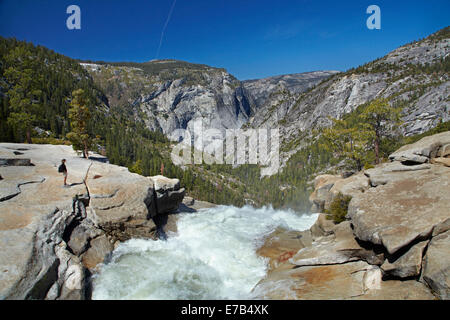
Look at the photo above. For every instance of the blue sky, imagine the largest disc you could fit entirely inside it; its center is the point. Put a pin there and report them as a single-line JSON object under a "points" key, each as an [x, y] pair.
{"points": [[250, 38]]}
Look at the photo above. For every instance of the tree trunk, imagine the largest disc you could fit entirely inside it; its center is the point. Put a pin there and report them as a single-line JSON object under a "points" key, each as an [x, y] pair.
{"points": [[377, 149], [28, 136], [85, 151]]}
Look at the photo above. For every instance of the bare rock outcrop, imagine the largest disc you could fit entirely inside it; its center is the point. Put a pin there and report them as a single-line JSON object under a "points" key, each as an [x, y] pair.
{"points": [[338, 247], [168, 194], [53, 237], [405, 209], [327, 187], [436, 265], [408, 264], [394, 244], [424, 150], [353, 280]]}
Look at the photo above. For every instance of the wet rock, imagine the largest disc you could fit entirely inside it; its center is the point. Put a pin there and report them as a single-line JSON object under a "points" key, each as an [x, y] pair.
{"points": [[169, 195], [71, 284], [100, 249], [282, 244], [80, 236]]}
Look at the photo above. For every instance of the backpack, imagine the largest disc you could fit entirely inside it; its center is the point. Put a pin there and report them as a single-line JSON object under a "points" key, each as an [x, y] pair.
{"points": [[61, 168]]}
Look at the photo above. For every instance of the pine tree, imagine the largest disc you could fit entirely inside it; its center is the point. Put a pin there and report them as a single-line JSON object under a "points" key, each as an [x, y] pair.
{"points": [[348, 141], [380, 118], [79, 115], [25, 93]]}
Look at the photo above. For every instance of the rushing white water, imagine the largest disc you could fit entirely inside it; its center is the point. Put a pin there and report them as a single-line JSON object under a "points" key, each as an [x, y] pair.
{"points": [[212, 256]]}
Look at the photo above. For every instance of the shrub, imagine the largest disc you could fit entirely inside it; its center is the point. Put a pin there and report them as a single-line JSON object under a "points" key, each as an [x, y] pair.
{"points": [[368, 166], [50, 140], [338, 208]]}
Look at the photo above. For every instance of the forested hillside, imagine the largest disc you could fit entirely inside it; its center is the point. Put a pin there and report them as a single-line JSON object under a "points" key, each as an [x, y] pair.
{"points": [[40, 81], [132, 105], [36, 86]]}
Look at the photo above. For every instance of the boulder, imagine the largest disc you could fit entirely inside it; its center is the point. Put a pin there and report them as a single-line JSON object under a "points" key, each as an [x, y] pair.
{"points": [[322, 226], [126, 204], [339, 247], [282, 244], [119, 198], [80, 236], [423, 150], [405, 209], [71, 284], [99, 250], [163, 184], [436, 266], [321, 194], [327, 187], [168, 194], [325, 179], [351, 186], [407, 265], [326, 251], [387, 172]]}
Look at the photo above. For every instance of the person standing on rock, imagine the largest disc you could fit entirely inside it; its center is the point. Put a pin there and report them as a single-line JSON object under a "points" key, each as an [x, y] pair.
{"points": [[62, 168]]}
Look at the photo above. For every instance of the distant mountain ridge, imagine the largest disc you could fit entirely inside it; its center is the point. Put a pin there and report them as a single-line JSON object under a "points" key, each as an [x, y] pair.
{"points": [[414, 76], [295, 83], [169, 94]]}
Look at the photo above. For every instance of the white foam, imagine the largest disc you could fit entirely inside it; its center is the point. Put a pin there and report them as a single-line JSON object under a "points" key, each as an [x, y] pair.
{"points": [[213, 256]]}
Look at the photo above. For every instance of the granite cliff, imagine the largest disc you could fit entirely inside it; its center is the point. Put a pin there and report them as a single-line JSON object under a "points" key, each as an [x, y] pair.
{"points": [[169, 94]]}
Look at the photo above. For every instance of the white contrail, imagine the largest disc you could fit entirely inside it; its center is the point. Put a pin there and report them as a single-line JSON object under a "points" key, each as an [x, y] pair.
{"points": [[164, 28]]}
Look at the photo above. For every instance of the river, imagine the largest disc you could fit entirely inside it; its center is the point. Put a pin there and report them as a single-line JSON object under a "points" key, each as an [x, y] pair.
{"points": [[212, 256]]}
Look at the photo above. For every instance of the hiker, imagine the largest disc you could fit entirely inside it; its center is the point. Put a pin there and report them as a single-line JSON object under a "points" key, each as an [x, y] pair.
{"points": [[62, 168]]}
